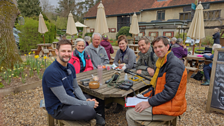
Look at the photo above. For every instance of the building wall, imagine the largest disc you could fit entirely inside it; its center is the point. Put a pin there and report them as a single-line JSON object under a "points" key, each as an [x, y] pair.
{"points": [[111, 22]]}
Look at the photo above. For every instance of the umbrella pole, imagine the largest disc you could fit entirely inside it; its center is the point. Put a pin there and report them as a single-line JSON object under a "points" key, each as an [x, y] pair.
{"points": [[134, 39], [43, 39], [193, 49], [200, 44]]}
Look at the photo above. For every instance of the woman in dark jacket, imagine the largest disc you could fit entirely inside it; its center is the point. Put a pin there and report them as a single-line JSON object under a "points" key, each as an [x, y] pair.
{"points": [[216, 37], [107, 46]]}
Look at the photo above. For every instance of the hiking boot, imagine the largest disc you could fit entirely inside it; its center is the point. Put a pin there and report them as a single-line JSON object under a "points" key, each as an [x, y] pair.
{"points": [[206, 83], [118, 109], [107, 106], [99, 120]]}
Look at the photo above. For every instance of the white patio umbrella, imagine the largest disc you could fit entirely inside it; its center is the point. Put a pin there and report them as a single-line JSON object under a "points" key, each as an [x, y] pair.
{"points": [[71, 27], [42, 28], [196, 30], [78, 24], [134, 29], [101, 22]]}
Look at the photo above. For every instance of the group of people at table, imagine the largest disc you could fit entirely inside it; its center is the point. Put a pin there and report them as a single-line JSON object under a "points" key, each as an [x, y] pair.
{"points": [[65, 100]]}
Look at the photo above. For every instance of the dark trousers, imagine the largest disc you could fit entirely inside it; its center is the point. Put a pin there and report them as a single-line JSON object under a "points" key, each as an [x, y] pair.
{"points": [[79, 112], [207, 69]]}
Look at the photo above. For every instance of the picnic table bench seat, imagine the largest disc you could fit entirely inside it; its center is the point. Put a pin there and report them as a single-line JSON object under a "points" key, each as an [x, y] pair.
{"points": [[190, 70], [51, 121], [172, 122]]}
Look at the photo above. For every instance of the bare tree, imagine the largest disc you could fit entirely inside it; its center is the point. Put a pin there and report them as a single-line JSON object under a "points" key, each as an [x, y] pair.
{"points": [[45, 5]]}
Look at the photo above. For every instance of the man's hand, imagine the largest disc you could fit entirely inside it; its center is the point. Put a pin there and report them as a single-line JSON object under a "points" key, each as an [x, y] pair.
{"points": [[139, 71], [150, 71], [96, 102], [142, 106], [121, 65]]}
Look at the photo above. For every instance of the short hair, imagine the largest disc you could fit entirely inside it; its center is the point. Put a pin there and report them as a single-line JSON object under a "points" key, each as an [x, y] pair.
{"points": [[179, 40], [63, 42], [144, 38], [95, 33], [163, 38], [122, 37], [216, 30], [80, 40], [87, 38], [174, 39]]}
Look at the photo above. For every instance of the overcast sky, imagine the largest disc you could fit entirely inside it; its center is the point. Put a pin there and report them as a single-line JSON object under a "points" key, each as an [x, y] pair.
{"points": [[54, 2]]}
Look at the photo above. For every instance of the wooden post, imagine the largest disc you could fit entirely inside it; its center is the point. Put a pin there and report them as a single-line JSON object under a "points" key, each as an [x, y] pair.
{"points": [[193, 49], [200, 44]]}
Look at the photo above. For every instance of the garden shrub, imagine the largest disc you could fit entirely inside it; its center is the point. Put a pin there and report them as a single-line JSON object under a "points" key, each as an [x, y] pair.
{"points": [[89, 34], [208, 40], [123, 31], [30, 37]]}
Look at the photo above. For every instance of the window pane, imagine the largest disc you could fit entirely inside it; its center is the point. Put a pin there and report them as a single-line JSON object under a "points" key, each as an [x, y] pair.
{"points": [[181, 17], [159, 16], [163, 15]]}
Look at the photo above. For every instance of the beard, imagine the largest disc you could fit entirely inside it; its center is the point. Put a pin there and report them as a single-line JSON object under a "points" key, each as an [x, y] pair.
{"points": [[63, 60]]}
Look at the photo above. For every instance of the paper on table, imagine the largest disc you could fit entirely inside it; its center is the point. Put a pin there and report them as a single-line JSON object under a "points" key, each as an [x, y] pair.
{"points": [[132, 101]]}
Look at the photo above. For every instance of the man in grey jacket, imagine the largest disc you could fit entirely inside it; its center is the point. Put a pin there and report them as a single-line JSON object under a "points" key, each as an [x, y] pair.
{"points": [[147, 60], [97, 53]]}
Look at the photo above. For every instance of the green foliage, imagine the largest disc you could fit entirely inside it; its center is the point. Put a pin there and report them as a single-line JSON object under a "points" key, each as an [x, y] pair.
{"points": [[208, 40], [89, 34], [30, 37], [29, 8], [183, 36], [61, 22], [123, 31]]}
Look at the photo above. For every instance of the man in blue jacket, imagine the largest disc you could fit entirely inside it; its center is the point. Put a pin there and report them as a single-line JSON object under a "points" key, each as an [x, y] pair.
{"points": [[63, 97]]}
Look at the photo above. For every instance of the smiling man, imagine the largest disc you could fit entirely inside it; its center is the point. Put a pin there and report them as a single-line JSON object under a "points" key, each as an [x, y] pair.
{"points": [[97, 53], [146, 62], [63, 97], [167, 97]]}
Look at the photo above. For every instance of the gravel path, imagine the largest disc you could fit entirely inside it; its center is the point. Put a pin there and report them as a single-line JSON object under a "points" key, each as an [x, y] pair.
{"points": [[22, 109]]}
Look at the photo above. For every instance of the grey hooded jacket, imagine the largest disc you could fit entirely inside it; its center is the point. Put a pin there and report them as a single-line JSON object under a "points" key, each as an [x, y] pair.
{"points": [[145, 61], [97, 58]]}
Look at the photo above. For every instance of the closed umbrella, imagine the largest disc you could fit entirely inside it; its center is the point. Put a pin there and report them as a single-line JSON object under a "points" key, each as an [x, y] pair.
{"points": [[42, 28], [196, 30], [71, 28], [78, 24], [134, 29], [101, 22]]}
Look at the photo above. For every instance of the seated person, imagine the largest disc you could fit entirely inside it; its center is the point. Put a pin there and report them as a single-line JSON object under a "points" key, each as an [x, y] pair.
{"points": [[207, 68], [169, 85], [97, 53], [64, 100], [173, 41], [147, 58], [107, 46], [80, 59], [179, 49], [125, 55]]}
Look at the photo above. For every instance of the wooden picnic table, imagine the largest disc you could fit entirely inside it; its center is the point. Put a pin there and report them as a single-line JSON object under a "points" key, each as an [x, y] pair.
{"points": [[41, 47], [105, 91], [198, 60]]}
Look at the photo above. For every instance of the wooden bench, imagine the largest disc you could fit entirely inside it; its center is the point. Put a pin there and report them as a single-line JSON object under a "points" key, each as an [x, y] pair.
{"points": [[51, 120], [190, 70], [172, 122]]}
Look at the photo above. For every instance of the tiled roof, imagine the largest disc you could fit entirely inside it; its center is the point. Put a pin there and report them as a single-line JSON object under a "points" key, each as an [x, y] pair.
{"points": [[114, 7]]}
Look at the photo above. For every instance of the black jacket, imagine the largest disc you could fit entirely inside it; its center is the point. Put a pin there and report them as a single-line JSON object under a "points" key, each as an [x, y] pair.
{"points": [[216, 38]]}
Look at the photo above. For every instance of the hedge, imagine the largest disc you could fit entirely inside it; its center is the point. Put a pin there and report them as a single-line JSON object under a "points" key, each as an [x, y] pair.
{"points": [[123, 31], [30, 37]]}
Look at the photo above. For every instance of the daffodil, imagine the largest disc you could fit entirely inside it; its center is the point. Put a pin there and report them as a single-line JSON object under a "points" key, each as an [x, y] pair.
{"points": [[36, 56], [25, 75], [9, 76], [33, 52], [24, 54], [4, 72], [45, 57], [12, 74], [29, 53]]}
